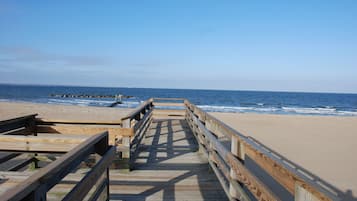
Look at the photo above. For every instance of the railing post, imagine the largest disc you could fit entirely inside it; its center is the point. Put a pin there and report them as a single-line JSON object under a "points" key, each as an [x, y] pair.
{"points": [[124, 161], [39, 194], [301, 194], [237, 150]]}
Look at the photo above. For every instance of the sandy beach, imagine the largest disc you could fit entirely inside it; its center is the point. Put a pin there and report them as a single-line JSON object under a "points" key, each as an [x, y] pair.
{"points": [[324, 145], [58, 112]]}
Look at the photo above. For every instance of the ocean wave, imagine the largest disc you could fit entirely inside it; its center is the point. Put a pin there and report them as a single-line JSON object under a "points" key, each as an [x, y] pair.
{"points": [[92, 102], [303, 110], [280, 110], [257, 108]]}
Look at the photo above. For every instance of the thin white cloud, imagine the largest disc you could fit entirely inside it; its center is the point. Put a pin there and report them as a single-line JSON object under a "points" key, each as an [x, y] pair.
{"points": [[26, 55]]}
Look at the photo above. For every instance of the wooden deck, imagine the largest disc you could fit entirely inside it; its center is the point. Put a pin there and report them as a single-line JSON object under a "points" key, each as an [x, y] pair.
{"points": [[168, 167]]}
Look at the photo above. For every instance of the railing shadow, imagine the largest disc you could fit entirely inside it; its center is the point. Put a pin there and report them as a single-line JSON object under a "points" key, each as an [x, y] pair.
{"points": [[170, 141]]}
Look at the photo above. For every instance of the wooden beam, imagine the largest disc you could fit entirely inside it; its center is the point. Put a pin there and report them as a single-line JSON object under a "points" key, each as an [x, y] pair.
{"points": [[85, 185], [23, 163], [39, 183], [243, 175], [27, 121], [42, 143], [8, 156], [145, 105], [163, 104], [44, 121]]}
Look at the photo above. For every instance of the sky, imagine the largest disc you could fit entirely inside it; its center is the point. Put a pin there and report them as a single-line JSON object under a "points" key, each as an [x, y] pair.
{"points": [[192, 44]]}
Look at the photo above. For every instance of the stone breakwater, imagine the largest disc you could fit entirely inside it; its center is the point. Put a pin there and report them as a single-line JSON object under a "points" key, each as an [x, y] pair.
{"points": [[87, 96]]}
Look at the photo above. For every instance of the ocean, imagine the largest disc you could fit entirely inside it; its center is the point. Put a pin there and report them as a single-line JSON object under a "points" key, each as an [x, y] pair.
{"points": [[209, 100]]}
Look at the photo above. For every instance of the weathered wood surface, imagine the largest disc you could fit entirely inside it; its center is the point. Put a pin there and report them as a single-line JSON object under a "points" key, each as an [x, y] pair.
{"points": [[168, 167], [169, 114], [243, 175], [25, 123], [84, 122], [288, 175], [36, 186], [40, 143]]}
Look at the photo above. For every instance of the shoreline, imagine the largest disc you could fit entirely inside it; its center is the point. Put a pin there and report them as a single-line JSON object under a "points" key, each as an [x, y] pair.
{"points": [[285, 111]]}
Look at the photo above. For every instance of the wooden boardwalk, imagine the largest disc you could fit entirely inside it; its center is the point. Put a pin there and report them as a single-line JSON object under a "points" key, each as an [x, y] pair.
{"points": [[168, 167], [175, 151]]}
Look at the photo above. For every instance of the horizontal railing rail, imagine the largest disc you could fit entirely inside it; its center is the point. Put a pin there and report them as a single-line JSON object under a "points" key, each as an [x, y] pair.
{"points": [[136, 123], [45, 121], [229, 164], [35, 187], [24, 124], [169, 103], [89, 128]]}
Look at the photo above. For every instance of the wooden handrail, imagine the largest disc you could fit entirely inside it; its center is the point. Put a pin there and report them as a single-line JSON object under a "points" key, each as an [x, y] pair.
{"points": [[257, 188], [37, 185], [169, 99], [43, 121], [282, 171], [138, 110], [27, 122]]}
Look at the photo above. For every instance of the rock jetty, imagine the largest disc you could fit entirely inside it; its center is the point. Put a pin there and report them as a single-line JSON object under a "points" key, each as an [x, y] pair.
{"points": [[86, 96]]}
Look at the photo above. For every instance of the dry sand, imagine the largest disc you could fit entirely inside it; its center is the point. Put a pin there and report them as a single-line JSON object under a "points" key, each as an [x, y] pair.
{"points": [[324, 145], [59, 112]]}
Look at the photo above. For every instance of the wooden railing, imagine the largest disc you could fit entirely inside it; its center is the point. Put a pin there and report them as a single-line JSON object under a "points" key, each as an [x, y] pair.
{"points": [[35, 188], [54, 126], [136, 123], [24, 125], [229, 165]]}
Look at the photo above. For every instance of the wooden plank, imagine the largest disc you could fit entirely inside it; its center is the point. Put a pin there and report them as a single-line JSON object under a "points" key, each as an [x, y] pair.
{"points": [[101, 192], [168, 99], [143, 121], [20, 131], [168, 168], [48, 143], [163, 104], [145, 105], [24, 163], [44, 121], [54, 172], [169, 113], [256, 187], [76, 129], [240, 194], [83, 187], [114, 133], [8, 156], [19, 122]]}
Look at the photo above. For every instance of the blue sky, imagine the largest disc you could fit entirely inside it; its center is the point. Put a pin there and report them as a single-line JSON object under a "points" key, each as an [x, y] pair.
{"points": [[235, 45]]}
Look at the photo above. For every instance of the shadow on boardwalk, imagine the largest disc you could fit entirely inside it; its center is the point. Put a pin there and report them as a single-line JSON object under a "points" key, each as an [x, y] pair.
{"points": [[168, 167]]}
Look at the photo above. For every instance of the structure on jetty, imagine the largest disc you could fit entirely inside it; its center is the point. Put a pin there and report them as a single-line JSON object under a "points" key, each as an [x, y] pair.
{"points": [[166, 149]]}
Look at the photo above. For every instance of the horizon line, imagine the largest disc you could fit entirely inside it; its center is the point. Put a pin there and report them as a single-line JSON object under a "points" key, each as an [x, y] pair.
{"points": [[247, 90]]}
